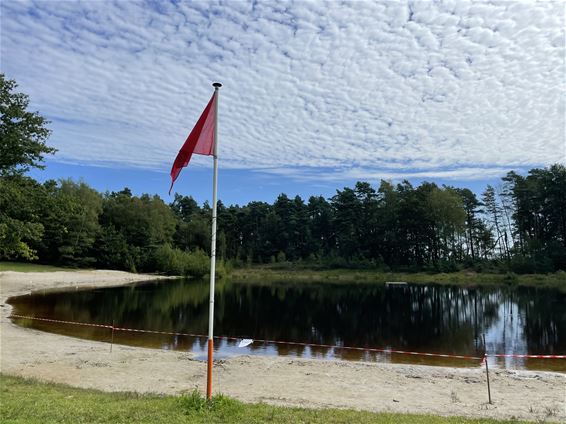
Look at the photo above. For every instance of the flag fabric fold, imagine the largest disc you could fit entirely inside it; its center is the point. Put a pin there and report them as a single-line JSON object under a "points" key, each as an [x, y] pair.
{"points": [[200, 141]]}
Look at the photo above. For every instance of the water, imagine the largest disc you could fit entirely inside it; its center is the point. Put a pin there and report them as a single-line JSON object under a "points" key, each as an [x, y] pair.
{"points": [[431, 318]]}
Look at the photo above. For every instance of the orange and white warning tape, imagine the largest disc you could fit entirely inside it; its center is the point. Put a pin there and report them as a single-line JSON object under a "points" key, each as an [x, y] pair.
{"points": [[366, 349]]}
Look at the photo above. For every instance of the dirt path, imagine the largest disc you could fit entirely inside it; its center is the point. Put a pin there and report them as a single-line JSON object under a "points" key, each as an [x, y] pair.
{"points": [[277, 380]]}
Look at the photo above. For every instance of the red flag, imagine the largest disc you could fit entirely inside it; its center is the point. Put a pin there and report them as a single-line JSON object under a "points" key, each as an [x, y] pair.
{"points": [[200, 140]]}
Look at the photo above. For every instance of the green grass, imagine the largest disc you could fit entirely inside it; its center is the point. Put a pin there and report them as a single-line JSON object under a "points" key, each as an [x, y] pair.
{"points": [[30, 267], [29, 401], [556, 280], [289, 273]]}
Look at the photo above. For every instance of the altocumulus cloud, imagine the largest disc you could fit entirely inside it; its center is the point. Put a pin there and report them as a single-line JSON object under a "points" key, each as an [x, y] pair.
{"points": [[313, 90]]}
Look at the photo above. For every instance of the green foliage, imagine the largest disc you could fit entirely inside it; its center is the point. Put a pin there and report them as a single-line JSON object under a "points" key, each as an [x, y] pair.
{"points": [[30, 267], [193, 234], [173, 261], [113, 251], [401, 228], [511, 278], [13, 237], [531, 264], [281, 257], [198, 264], [169, 261], [537, 206], [20, 226], [144, 221], [446, 265], [293, 272], [22, 133], [132, 227], [70, 217]]}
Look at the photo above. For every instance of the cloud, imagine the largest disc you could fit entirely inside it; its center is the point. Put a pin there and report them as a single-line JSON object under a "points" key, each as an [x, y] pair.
{"points": [[361, 89]]}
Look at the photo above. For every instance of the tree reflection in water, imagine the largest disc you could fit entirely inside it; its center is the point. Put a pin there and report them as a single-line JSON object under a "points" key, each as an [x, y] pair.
{"points": [[432, 318]]}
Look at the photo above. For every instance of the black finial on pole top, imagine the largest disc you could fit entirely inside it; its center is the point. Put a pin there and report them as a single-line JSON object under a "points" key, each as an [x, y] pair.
{"points": [[216, 85]]}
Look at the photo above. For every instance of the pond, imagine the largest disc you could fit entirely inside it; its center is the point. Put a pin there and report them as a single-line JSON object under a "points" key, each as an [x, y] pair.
{"points": [[424, 318]]}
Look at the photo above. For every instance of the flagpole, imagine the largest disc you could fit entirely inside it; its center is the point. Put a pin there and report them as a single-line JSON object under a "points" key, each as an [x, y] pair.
{"points": [[216, 86]]}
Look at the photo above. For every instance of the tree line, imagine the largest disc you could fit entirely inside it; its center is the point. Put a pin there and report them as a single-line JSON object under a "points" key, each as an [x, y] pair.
{"points": [[520, 225]]}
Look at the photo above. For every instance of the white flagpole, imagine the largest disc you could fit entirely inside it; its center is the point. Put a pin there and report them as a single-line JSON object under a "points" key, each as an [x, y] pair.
{"points": [[216, 86]]}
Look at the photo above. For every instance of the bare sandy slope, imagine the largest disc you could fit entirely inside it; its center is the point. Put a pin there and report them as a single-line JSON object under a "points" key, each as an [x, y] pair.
{"points": [[277, 380]]}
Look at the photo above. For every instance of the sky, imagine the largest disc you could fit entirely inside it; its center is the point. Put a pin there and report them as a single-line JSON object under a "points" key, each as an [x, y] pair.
{"points": [[316, 95]]}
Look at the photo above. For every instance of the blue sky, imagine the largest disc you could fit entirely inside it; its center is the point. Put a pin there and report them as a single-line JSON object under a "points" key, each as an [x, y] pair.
{"points": [[316, 94], [235, 186]]}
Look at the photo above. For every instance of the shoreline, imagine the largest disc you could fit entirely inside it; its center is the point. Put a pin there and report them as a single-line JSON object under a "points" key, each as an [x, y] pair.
{"points": [[554, 281], [286, 381]]}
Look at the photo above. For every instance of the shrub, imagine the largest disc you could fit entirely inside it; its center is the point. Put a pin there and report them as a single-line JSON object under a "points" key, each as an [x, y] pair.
{"points": [[197, 264], [511, 278], [174, 261], [531, 265], [449, 266], [281, 257], [169, 260]]}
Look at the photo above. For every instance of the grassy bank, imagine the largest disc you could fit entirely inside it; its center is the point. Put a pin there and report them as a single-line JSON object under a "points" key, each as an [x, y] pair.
{"points": [[31, 267], [291, 272], [29, 401], [265, 273]]}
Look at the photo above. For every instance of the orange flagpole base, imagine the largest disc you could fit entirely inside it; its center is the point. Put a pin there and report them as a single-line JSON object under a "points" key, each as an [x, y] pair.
{"points": [[209, 370]]}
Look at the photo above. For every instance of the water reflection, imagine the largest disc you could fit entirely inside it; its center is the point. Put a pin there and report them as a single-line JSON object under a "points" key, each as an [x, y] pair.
{"points": [[430, 318]]}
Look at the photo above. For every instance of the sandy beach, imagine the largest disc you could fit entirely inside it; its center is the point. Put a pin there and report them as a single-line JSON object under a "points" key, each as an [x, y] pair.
{"points": [[277, 380]]}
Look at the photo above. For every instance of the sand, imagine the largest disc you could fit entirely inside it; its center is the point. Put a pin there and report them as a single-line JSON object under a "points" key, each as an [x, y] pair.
{"points": [[276, 380]]}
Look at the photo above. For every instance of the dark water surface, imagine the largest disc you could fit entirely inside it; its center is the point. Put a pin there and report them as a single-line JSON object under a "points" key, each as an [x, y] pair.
{"points": [[432, 318]]}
